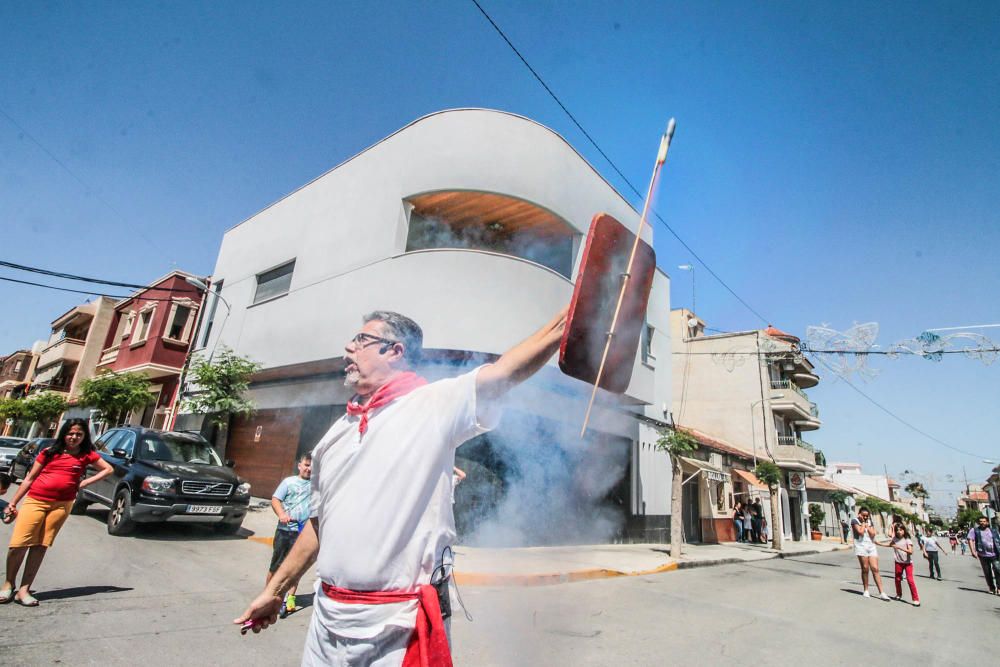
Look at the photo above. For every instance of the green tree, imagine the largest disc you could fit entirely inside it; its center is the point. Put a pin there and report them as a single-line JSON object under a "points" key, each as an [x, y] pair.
{"points": [[966, 517], [769, 473], [43, 407], [676, 444], [11, 408], [221, 386], [114, 395], [917, 490]]}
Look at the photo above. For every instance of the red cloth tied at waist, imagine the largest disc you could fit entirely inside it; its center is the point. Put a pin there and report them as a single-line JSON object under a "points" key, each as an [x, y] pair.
{"points": [[428, 645], [399, 386]]}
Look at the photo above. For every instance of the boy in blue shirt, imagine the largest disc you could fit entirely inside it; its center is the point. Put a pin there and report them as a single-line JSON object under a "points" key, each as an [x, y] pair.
{"points": [[290, 503]]}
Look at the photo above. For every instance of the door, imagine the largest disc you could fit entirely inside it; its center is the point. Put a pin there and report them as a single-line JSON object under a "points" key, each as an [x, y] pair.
{"points": [[691, 509], [264, 447]]}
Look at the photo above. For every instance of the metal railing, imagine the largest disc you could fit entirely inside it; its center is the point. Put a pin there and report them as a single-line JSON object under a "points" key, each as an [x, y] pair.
{"points": [[794, 441], [788, 384]]}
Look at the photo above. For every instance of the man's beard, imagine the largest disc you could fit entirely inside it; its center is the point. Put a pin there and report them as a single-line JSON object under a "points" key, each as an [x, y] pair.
{"points": [[352, 379]]}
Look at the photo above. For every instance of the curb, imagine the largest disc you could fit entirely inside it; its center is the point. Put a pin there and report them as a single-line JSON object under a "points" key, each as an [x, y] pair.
{"points": [[479, 579]]}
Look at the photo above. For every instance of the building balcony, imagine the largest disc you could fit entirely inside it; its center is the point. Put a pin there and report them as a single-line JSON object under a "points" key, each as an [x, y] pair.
{"points": [[63, 350], [805, 379], [795, 454], [108, 356], [794, 404]]}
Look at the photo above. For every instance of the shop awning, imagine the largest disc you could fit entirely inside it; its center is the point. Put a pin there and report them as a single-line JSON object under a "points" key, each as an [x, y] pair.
{"points": [[711, 472], [46, 375], [749, 478]]}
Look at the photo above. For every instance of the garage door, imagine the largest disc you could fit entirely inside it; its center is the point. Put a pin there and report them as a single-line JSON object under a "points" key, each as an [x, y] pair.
{"points": [[264, 447]]}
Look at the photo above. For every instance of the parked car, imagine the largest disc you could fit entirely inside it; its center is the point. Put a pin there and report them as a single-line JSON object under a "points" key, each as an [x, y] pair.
{"points": [[165, 476], [9, 447], [25, 458]]}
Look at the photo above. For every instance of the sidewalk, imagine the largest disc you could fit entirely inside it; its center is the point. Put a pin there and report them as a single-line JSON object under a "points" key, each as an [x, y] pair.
{"points": [[539, 566]]}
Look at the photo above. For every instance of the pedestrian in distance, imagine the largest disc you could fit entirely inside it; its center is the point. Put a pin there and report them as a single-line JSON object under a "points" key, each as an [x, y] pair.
{"points": [[748, 523], [845, 530], [953, 540], [932, 552], [49, 489], [381, 525], [962, 542], [866, 551], [738, 521], [757, 522], [902, 551], [984, 542], [290, 503]]}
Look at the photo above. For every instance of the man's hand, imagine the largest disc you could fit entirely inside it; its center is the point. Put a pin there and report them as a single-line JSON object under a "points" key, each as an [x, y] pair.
{"points": [[263, 611]]}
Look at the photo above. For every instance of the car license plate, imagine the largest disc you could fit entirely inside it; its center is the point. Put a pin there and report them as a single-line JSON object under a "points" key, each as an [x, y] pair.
{"points": [[204, 509]]}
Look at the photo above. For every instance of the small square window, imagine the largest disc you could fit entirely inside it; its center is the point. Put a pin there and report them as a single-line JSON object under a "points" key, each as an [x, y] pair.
{"points": [[274, 283]]}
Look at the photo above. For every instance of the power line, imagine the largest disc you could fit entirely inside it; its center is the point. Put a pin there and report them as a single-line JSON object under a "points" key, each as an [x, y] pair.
{"points": [[72, 173], [76, 291], [612, 163], [99, 281], [900, 419]]}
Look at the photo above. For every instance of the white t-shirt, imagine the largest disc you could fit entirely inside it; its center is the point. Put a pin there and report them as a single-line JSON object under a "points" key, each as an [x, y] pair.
{"points": [[383, 500], [930, 543]]}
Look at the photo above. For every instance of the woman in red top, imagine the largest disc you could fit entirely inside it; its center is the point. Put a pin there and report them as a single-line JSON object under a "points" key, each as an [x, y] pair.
{"points": [[51, 487]]}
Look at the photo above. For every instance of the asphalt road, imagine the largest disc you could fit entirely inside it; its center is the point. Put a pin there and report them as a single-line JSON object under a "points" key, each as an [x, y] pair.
{"points": [[169, 594]]}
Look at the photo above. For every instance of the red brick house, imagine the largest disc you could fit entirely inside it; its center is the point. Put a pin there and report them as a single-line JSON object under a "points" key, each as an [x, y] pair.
{"points": [[151, 333]]}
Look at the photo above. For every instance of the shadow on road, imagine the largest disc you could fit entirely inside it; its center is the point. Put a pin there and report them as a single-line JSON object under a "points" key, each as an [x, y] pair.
{"points": [[852, 591], [79, 592], [173, 532], [975, 590]]}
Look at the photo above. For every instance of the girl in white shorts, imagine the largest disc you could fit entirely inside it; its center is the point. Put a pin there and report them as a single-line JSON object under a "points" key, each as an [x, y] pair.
{"points": [[866, 551]]}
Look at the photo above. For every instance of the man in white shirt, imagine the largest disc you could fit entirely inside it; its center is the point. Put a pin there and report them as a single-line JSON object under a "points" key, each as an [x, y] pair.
{"points": [[382, 518]]}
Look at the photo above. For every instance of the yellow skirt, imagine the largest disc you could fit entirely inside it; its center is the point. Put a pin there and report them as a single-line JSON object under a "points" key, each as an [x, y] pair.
{"points": [[38, 522]]}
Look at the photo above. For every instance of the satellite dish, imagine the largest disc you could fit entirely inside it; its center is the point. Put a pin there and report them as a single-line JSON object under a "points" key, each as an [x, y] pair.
{"points": [[849, 501], [692, 322]]}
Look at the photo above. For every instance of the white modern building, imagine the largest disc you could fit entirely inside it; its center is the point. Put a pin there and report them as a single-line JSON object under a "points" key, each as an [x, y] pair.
{"points": [[472, 223]]}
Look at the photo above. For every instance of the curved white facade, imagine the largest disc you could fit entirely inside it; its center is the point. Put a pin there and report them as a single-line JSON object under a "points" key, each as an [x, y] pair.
{"points": [[347, 234]]}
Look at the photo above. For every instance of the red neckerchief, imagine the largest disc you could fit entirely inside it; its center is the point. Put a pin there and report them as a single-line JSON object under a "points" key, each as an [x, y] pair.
{"points": [[428, 646], [401, 385]]}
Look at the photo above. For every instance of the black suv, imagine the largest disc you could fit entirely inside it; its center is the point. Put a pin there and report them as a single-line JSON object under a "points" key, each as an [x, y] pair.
{"points": [[165, 476]]}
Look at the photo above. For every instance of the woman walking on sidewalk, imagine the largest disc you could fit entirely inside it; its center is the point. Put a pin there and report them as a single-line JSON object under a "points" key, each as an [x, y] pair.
{"points": [[866, 551], [738, 521], [51, 487], [902, 550]]}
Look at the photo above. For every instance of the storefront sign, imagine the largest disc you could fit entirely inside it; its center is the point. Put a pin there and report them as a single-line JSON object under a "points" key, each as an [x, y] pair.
{"points": [[713, 476], [796, 481]]}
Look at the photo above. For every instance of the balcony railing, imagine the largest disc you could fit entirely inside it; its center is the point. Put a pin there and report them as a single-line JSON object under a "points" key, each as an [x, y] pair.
{"points": [[794, 441], [788, 384]]}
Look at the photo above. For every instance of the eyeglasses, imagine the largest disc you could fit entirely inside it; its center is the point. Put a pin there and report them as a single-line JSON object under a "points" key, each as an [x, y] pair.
{"points": [[363, 340]]}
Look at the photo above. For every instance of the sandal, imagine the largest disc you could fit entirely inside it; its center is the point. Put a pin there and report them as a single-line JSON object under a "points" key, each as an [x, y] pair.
{"points": [[6, 596], [27, 600]]}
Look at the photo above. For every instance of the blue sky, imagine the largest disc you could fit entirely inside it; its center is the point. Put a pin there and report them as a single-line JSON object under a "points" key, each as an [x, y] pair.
{"points": [[834, 163]]}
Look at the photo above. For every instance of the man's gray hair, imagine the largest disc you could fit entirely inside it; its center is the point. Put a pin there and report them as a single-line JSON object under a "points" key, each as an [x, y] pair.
{"points": [[401, 328]]}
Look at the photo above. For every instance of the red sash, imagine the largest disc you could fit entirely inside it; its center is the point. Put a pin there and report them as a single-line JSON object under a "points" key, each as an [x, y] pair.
{"points": [[401, 385], [428, 645]]}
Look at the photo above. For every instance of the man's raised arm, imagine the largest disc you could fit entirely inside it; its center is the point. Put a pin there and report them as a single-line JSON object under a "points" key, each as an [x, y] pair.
{"points": [[521, 361]]}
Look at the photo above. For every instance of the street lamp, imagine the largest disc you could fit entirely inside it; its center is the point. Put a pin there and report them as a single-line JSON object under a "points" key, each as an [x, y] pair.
{"points": [[201, 286], [753, 431], [690, 267]]}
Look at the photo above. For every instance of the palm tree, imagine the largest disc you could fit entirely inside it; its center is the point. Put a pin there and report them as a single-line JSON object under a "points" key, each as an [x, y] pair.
{"points": [[676, 444], [770, 474]]}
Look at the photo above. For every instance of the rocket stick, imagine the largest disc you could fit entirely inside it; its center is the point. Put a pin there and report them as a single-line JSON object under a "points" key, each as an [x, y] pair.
{"points": [[661, 157]]}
